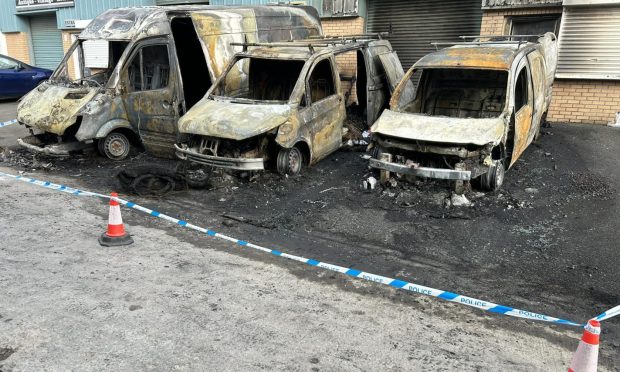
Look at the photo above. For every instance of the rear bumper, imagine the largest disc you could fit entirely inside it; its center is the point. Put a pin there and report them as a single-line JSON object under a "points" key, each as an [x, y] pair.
{"points": [[34, 144], [436, 173], [219, 161]]}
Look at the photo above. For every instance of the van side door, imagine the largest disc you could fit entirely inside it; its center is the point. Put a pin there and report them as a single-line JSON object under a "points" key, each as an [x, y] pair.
{"points": [[150, 91], [523, 108], [324, 110], [384, 71], [537, 69]]}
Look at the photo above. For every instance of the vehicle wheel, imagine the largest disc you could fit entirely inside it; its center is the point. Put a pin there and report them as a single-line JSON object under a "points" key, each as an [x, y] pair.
{"points": [[115, 146], [494, 178], [197, 175], [290, 161]]}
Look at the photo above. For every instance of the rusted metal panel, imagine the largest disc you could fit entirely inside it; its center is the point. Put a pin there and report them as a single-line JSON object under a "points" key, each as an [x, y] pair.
{"points": [[440, 129], [54, 108], [499, 58], [233, 121]]}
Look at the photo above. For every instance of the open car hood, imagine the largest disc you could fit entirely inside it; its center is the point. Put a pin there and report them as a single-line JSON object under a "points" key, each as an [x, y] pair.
{"points": [[440, 129], [53, 108], [236, 121]]}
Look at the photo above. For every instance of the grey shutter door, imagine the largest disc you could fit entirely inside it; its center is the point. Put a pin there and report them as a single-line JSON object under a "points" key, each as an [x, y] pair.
{"points": [[46, 41], [589, 43], [414, 24]]}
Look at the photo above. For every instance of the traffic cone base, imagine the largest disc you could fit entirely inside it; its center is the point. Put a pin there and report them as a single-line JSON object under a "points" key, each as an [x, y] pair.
{"points": [[115, 235], [114, 241]]}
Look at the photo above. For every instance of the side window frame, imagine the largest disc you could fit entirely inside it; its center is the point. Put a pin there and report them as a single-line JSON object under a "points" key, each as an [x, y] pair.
{"points": [[137, 51], [335, 80], [529, 88]]}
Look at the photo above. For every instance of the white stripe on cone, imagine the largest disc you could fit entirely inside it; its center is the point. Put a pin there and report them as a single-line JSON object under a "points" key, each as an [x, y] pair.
{"points": [[114, 217]]}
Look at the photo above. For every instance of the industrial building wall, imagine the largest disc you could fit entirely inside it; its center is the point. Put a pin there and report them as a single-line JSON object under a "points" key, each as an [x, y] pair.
{"points": [[574, 100]]}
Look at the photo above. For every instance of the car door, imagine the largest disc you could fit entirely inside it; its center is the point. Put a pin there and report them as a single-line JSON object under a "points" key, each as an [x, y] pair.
{"points": [[324, 110], [523, 108], [15, 80], [384, 72], [150, 96]]}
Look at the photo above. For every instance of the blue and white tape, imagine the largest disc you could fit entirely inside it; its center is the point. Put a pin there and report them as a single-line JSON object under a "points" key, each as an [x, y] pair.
{"points": [[395, 283], [7, 123], [609, 313]]}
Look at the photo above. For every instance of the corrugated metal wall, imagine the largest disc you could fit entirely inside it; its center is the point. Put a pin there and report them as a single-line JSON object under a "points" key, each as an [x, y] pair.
{"points": [[590, 43], [46, 41], [88, 9], [414, 24], [83, 9]]}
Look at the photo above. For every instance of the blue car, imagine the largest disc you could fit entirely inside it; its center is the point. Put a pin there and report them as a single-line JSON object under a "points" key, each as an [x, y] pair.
{"points": [[18, 78]]}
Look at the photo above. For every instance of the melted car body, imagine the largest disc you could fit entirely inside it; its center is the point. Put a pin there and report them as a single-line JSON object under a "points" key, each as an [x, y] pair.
{"points": [[468, 111], [161, 61], [283, 104]]}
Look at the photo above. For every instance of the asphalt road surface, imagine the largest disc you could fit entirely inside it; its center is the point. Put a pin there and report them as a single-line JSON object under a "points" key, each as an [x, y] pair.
{"points": [[546, 243]]}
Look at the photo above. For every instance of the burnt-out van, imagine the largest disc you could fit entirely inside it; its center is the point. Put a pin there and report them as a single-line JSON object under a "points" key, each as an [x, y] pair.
{"points": [[160, 62]]}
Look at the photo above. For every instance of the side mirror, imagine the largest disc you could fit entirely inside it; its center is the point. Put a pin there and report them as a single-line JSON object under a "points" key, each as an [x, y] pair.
{"points": [[19, 67]]}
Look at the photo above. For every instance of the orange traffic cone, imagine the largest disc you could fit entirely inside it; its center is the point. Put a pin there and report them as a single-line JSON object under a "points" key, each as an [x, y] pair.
{"points": [[586, 356], [116, 234]]}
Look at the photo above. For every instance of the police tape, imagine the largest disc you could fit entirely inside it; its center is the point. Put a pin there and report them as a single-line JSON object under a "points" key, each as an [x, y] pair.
{"points": [[394, 283], [7, 123], [609, 314]]}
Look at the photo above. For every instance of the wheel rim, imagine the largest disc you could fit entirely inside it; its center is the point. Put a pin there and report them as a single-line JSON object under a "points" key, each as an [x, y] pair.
{"points": [[117, 146], [294, 160]]}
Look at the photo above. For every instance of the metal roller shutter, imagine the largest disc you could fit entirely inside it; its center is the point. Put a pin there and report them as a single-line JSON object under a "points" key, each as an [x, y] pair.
{"points": [[589, 43], [414, 24], [46, 41]]}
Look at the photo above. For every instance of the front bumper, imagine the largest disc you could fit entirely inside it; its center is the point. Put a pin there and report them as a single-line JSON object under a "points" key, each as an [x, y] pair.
{"points": [[219, 161], [34, 144], [436, 173]]}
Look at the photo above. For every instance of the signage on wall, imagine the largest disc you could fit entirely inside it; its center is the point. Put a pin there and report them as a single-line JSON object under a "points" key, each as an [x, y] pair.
{"points": [[22, 5]]}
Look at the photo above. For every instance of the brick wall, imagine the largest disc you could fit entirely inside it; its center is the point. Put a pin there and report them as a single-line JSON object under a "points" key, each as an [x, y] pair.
{"points": [[496, 22], [574, 101], [585, 101], [347, 62], [17, 45]]}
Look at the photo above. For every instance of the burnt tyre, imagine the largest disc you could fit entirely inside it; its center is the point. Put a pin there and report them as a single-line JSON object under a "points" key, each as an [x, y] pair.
{"points": [[494, 178], [197, 175], [114, 146], [290, 161]]}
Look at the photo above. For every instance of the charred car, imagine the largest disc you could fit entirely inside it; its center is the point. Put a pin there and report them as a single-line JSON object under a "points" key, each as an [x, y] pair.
{"points": [[467, 112], [160, 62], [282, 105]]}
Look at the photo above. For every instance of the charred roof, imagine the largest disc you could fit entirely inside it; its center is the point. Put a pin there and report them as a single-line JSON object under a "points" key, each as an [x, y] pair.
{"points": [[475, 55], [127, 23]]}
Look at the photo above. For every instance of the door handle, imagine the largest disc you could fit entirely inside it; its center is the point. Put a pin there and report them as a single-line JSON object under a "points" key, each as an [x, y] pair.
{"points": [[166, 104]]}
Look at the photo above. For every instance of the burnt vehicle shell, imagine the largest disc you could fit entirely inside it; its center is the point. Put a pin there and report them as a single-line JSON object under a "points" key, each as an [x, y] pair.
{"points": [[177, 52], [476, 107], [300, 128]]}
